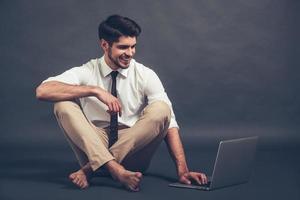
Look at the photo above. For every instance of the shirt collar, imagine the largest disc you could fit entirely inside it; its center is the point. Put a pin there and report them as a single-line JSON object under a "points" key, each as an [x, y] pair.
{"points": [[106, 70]]}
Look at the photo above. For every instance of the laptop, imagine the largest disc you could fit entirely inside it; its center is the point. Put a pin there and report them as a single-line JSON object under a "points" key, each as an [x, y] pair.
{"points": [[233, 164]]}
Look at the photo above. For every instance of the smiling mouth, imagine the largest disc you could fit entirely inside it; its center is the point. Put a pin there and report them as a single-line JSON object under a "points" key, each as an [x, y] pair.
{"points": [[124, 59]]}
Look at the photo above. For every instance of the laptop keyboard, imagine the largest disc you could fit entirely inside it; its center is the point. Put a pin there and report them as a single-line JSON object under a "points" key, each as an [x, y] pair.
{"points": [[194, 183], [196, 186], [203, 185]]}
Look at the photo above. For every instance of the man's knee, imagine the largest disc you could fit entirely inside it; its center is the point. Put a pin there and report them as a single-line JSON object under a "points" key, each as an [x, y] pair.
{"points": [[159, 111], [64, 108]]}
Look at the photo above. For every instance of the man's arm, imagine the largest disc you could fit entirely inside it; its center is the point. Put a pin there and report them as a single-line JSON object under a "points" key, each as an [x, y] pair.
{"points": [[176, 151], [58, 91], [154, 90]]}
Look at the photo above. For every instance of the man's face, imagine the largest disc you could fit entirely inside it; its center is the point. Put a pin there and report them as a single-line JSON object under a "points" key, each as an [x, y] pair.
{"points": [[120, 53]]}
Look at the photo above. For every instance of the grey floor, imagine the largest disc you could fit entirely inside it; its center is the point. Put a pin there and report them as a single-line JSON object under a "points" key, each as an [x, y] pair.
{"points": [[39, 171]]}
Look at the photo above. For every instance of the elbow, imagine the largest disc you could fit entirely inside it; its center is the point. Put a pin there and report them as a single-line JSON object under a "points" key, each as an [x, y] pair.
{"points": [[40, 93]]}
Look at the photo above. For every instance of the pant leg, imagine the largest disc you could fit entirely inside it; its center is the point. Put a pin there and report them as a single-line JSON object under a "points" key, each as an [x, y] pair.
{"points": [[89, 145], [136, 145]]}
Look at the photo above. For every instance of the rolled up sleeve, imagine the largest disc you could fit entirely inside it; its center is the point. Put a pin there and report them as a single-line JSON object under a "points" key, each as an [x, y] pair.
{"points": [[155, 91], [75, 76]]}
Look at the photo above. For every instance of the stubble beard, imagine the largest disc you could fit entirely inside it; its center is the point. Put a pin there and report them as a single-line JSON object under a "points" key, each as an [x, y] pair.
{"points": [[115, 60]]}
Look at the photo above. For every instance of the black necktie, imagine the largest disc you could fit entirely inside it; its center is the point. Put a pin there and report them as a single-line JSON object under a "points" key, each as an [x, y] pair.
{"points": [[113, 135]]}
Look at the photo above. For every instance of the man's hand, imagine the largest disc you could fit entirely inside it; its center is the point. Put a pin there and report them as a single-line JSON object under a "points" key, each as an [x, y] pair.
{"points": [[189, 177], [113, 103], [175, 147]]}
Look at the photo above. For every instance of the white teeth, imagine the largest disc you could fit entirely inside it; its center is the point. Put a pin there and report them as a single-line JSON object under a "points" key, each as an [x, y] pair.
{"points": [[125, 59]]}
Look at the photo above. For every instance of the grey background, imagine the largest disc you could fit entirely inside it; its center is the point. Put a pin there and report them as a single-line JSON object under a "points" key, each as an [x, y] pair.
{"points": [[231, 69]]}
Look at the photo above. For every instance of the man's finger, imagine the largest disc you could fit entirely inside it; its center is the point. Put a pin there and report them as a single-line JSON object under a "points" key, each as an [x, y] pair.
{"points": [[110, 107], [197, 179], [202, 177], [185, 180], [115, 107], [120, 108]]}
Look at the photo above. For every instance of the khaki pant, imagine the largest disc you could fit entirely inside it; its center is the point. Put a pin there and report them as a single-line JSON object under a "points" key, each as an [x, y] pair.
{"points": [[135, 146]]}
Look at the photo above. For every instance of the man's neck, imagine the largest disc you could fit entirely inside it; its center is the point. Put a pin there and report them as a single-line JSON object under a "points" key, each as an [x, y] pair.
{"points": [[110, 64]]}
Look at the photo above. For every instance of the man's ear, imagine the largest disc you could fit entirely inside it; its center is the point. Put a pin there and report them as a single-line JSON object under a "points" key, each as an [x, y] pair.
{"points": [[104, 45]]}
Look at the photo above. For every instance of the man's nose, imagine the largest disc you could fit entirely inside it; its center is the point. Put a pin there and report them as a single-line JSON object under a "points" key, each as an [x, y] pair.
{"points": [[130, 52]]}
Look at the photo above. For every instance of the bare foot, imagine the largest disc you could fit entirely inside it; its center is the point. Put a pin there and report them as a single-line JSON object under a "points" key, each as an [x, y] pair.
{"points": [[131, 180], [80, 177]]}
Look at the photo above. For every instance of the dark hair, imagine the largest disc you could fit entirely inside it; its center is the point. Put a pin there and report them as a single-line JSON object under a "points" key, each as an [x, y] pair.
{"points": [[116, 26]]}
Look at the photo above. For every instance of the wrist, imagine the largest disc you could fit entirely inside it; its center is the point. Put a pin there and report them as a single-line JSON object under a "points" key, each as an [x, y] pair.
{"points": [[96, 91], [182, 170]]}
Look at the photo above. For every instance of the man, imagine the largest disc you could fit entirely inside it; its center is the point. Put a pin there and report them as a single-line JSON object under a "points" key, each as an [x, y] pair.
{"points": [[114, 111]]}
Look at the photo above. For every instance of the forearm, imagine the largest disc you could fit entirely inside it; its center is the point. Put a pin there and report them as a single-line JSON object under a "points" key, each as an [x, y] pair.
{"points": [[58, 91], [176, 150]]}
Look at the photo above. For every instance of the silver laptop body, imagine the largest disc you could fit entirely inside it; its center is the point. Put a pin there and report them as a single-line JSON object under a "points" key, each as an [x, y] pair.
{"points": [[233, 164]]}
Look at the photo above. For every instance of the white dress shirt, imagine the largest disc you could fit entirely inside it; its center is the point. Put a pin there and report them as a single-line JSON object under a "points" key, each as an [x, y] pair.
{"points": [[137, 86]]}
